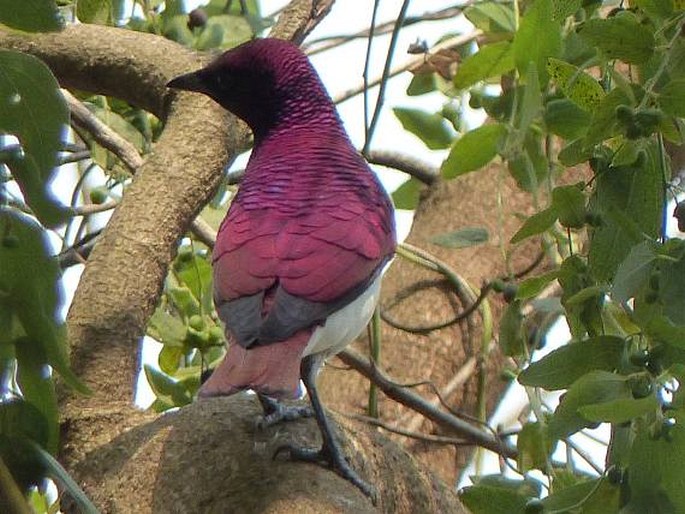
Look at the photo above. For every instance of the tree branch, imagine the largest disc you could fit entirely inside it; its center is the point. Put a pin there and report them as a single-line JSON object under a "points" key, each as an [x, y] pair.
{"points": [[417, 403]]}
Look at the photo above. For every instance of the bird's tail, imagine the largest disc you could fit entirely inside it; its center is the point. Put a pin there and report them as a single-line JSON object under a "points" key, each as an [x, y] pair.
{"points": [[272, 369]]}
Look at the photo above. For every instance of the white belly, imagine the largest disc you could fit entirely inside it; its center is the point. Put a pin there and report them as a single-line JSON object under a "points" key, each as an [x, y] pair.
{"points": [[343, 326]]}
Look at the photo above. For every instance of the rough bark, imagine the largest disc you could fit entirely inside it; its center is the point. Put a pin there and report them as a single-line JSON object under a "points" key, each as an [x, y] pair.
{"points": [[209, 457]]}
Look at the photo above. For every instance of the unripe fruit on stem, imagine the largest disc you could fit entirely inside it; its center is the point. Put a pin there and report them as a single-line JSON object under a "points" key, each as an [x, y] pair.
{"points": [[99, 195]]}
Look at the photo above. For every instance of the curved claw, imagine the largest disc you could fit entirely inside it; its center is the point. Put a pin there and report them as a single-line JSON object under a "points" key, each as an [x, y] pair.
{"points": [[332, 459]]}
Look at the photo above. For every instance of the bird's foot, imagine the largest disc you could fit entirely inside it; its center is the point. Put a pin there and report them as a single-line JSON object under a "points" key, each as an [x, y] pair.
{"points": [[276, 412], [333, 459]]}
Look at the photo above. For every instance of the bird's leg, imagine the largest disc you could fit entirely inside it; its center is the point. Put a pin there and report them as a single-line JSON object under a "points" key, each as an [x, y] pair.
{"points": [[331, 452], [275, 411]]}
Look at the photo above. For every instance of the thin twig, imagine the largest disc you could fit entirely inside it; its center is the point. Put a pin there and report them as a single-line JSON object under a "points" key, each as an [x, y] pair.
{"points": [[414, 420], [380, 99], [408, 164], [431, 438], [94, 208], [419, 404], [446, 44]]}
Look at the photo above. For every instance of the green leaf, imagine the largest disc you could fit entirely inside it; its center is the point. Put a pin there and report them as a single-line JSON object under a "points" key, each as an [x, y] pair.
{"points": [[32, 108], [474, 150], [489, 498], [569, 204], [634, 271], [422, 83], [619, 411], [533, 286], [562, 367], [37, 193], [537, 39], [630, 201], [492, 16], [407, 195], [166, 388], [604, 123], [194, 271], [534, 447], [620, 37], [20, 423], [655, 470], [566, 119], [431, 128], [94, 11], [30, 288], [531, 101], [530, 166], [574, 153], [672, 98], [224, 31], [38, 387], [578, 86], [66, 483], [663, 330], [536, 224], [596, 496], [30, 15], [167, 329], [462, 238], [656, 8], [562, 9], [594, 387], [511, 335], [491, 60]]}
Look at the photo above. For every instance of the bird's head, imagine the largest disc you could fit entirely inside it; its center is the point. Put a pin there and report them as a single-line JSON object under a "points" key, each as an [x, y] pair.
{"points": [[262, 81]]}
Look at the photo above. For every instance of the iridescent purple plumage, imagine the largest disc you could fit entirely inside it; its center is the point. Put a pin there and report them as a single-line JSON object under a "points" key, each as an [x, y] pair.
{"points": [[308, 232]]}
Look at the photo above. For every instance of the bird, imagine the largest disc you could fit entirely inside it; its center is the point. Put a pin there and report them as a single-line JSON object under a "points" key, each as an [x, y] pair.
{"points": [[298, 259]]}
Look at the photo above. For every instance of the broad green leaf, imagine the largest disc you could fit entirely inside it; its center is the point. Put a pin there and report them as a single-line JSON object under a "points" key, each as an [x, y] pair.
{"points": [[176, 29], [511, 335], [30, 15], [569, 204], [167, 329], [462, 238], [578, 86], [192, 269], [596, 496], [492, 16], [562, 367], [166, 388], [656, 470], [169, 359], [620, 37], [594, 387], [473, 150], [532, 286], [672, 283], [21, 423], [574, 153], [537, 39], [407, 195], [634, 271], [491, 60], [562, 9], [531, 100], [31, 289], [663, 330], [620, 410], [536, 224], [38, 387], [630, 201], [529, 166], [604, 124], [566, 119], [36, 191], [94, 11], [486, 497], [422, 83], [534, 447], [224, 31], [656, 8], [431, 128], [32, 108], [672, 98]]}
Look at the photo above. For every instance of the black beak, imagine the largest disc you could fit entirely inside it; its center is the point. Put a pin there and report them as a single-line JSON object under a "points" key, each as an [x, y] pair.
{"points": [[188, 82]]}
